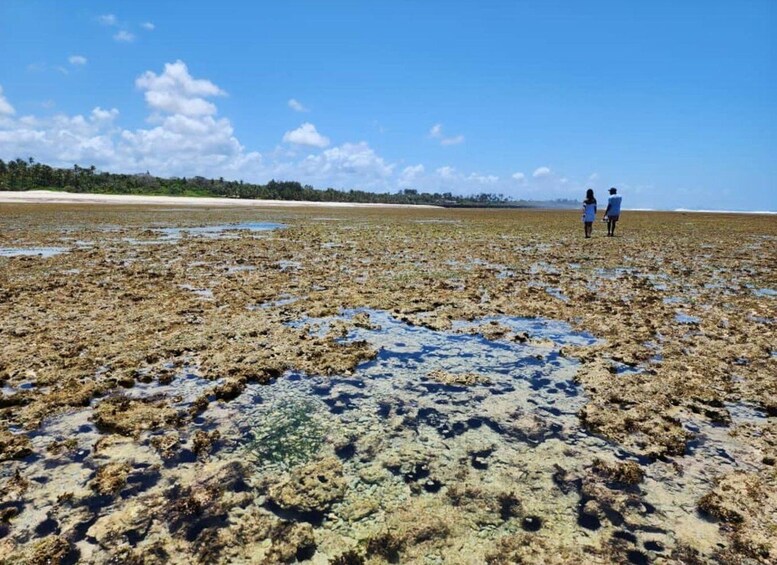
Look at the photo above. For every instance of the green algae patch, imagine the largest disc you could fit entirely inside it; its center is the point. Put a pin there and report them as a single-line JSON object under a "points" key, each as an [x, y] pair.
{"points": [[289, 435]]}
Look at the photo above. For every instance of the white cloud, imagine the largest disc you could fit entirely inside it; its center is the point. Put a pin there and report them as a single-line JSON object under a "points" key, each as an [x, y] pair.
{"points": [[436, 133], [446, 172], [5, 106], [124, 36], [413, 170], [593, 177], [411, 173], [483, 179], [184, 142], [347, 165], [107, 20], [77, 60], [455, 140], [520, 177], [100, 115], [176, 92], [61, 140], [306, 134], [297, 106], [148, 26], [541, 172]]}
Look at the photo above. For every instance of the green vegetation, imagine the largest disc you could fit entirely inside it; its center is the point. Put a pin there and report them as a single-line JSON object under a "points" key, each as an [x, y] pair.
{"points": [[20, 175], [288, 435]]}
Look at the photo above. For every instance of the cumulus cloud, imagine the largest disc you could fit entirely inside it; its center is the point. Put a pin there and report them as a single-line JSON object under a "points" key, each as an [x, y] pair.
{"points": [[5, 105], [77, 60], [148, 26], [349, 158], [541, 172], [61, 139], [520, 177], [483, 179], [446, 172], [187, 139], [296, 105], [436, 132], [306, 134], [410, 173], [124, 36], [108, 20], [175, 91], [350, 165]]}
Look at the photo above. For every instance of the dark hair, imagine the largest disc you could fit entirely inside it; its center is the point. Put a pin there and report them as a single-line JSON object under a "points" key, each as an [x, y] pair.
{"points": [[613, 190], [589, 194]]}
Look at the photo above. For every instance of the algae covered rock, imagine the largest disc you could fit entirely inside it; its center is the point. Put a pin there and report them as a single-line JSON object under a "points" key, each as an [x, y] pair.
{"points": [[413, 531], [458, 379], [528, 548], [311, 488], [625, 472], [746, 506], [129, 417], [13, 446], [51, 550], [111, 478]]}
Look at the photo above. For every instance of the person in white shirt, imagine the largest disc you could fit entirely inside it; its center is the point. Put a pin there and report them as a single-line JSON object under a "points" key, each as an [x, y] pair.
{"points": [[613, 211], [589, 212]]}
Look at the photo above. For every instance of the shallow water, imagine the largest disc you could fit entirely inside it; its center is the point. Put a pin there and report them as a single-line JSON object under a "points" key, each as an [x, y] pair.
{"points": [[403, 437], [44, 252], [216, 231]]}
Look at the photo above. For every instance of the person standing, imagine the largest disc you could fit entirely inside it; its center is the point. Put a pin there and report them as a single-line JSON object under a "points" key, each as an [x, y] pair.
{"points": [[613, 212], [589, 212]]}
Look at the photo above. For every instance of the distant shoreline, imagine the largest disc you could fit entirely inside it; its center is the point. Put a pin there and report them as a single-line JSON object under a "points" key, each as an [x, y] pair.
{"points": [[55, 197]]}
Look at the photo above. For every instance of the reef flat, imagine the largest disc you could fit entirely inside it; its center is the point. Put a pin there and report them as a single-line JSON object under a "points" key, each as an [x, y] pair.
{"points": [[385, 385]]}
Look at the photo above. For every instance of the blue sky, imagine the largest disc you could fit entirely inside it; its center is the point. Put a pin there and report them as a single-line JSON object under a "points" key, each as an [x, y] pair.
{"points": [[673, 102]]}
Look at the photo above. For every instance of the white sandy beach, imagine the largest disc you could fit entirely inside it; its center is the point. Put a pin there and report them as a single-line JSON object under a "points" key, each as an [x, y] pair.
{"points": [[52, 197]]}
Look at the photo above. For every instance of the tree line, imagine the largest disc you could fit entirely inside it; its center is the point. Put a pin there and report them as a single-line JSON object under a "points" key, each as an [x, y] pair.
{"points": [[20, 175]]}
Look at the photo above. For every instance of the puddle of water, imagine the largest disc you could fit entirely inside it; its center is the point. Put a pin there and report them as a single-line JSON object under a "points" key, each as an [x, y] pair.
{"points": [[682, 318], [744, 413], [771, 293], [556, 293], [219, 231], [542, 267], [284, 265], [204, 293], [522, 415], [216, 231], [44, 252], [615, 273]]}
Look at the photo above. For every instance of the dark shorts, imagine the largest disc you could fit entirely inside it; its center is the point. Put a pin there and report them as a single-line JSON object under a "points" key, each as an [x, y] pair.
{"points": [[612, 218]]}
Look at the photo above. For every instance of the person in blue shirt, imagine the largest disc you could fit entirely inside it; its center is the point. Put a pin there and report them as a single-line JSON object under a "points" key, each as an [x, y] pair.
{"points": [[589, 212], [613, 211]]}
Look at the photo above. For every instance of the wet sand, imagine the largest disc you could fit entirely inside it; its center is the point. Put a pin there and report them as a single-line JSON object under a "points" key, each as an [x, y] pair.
{"points": [[385, 385]]}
